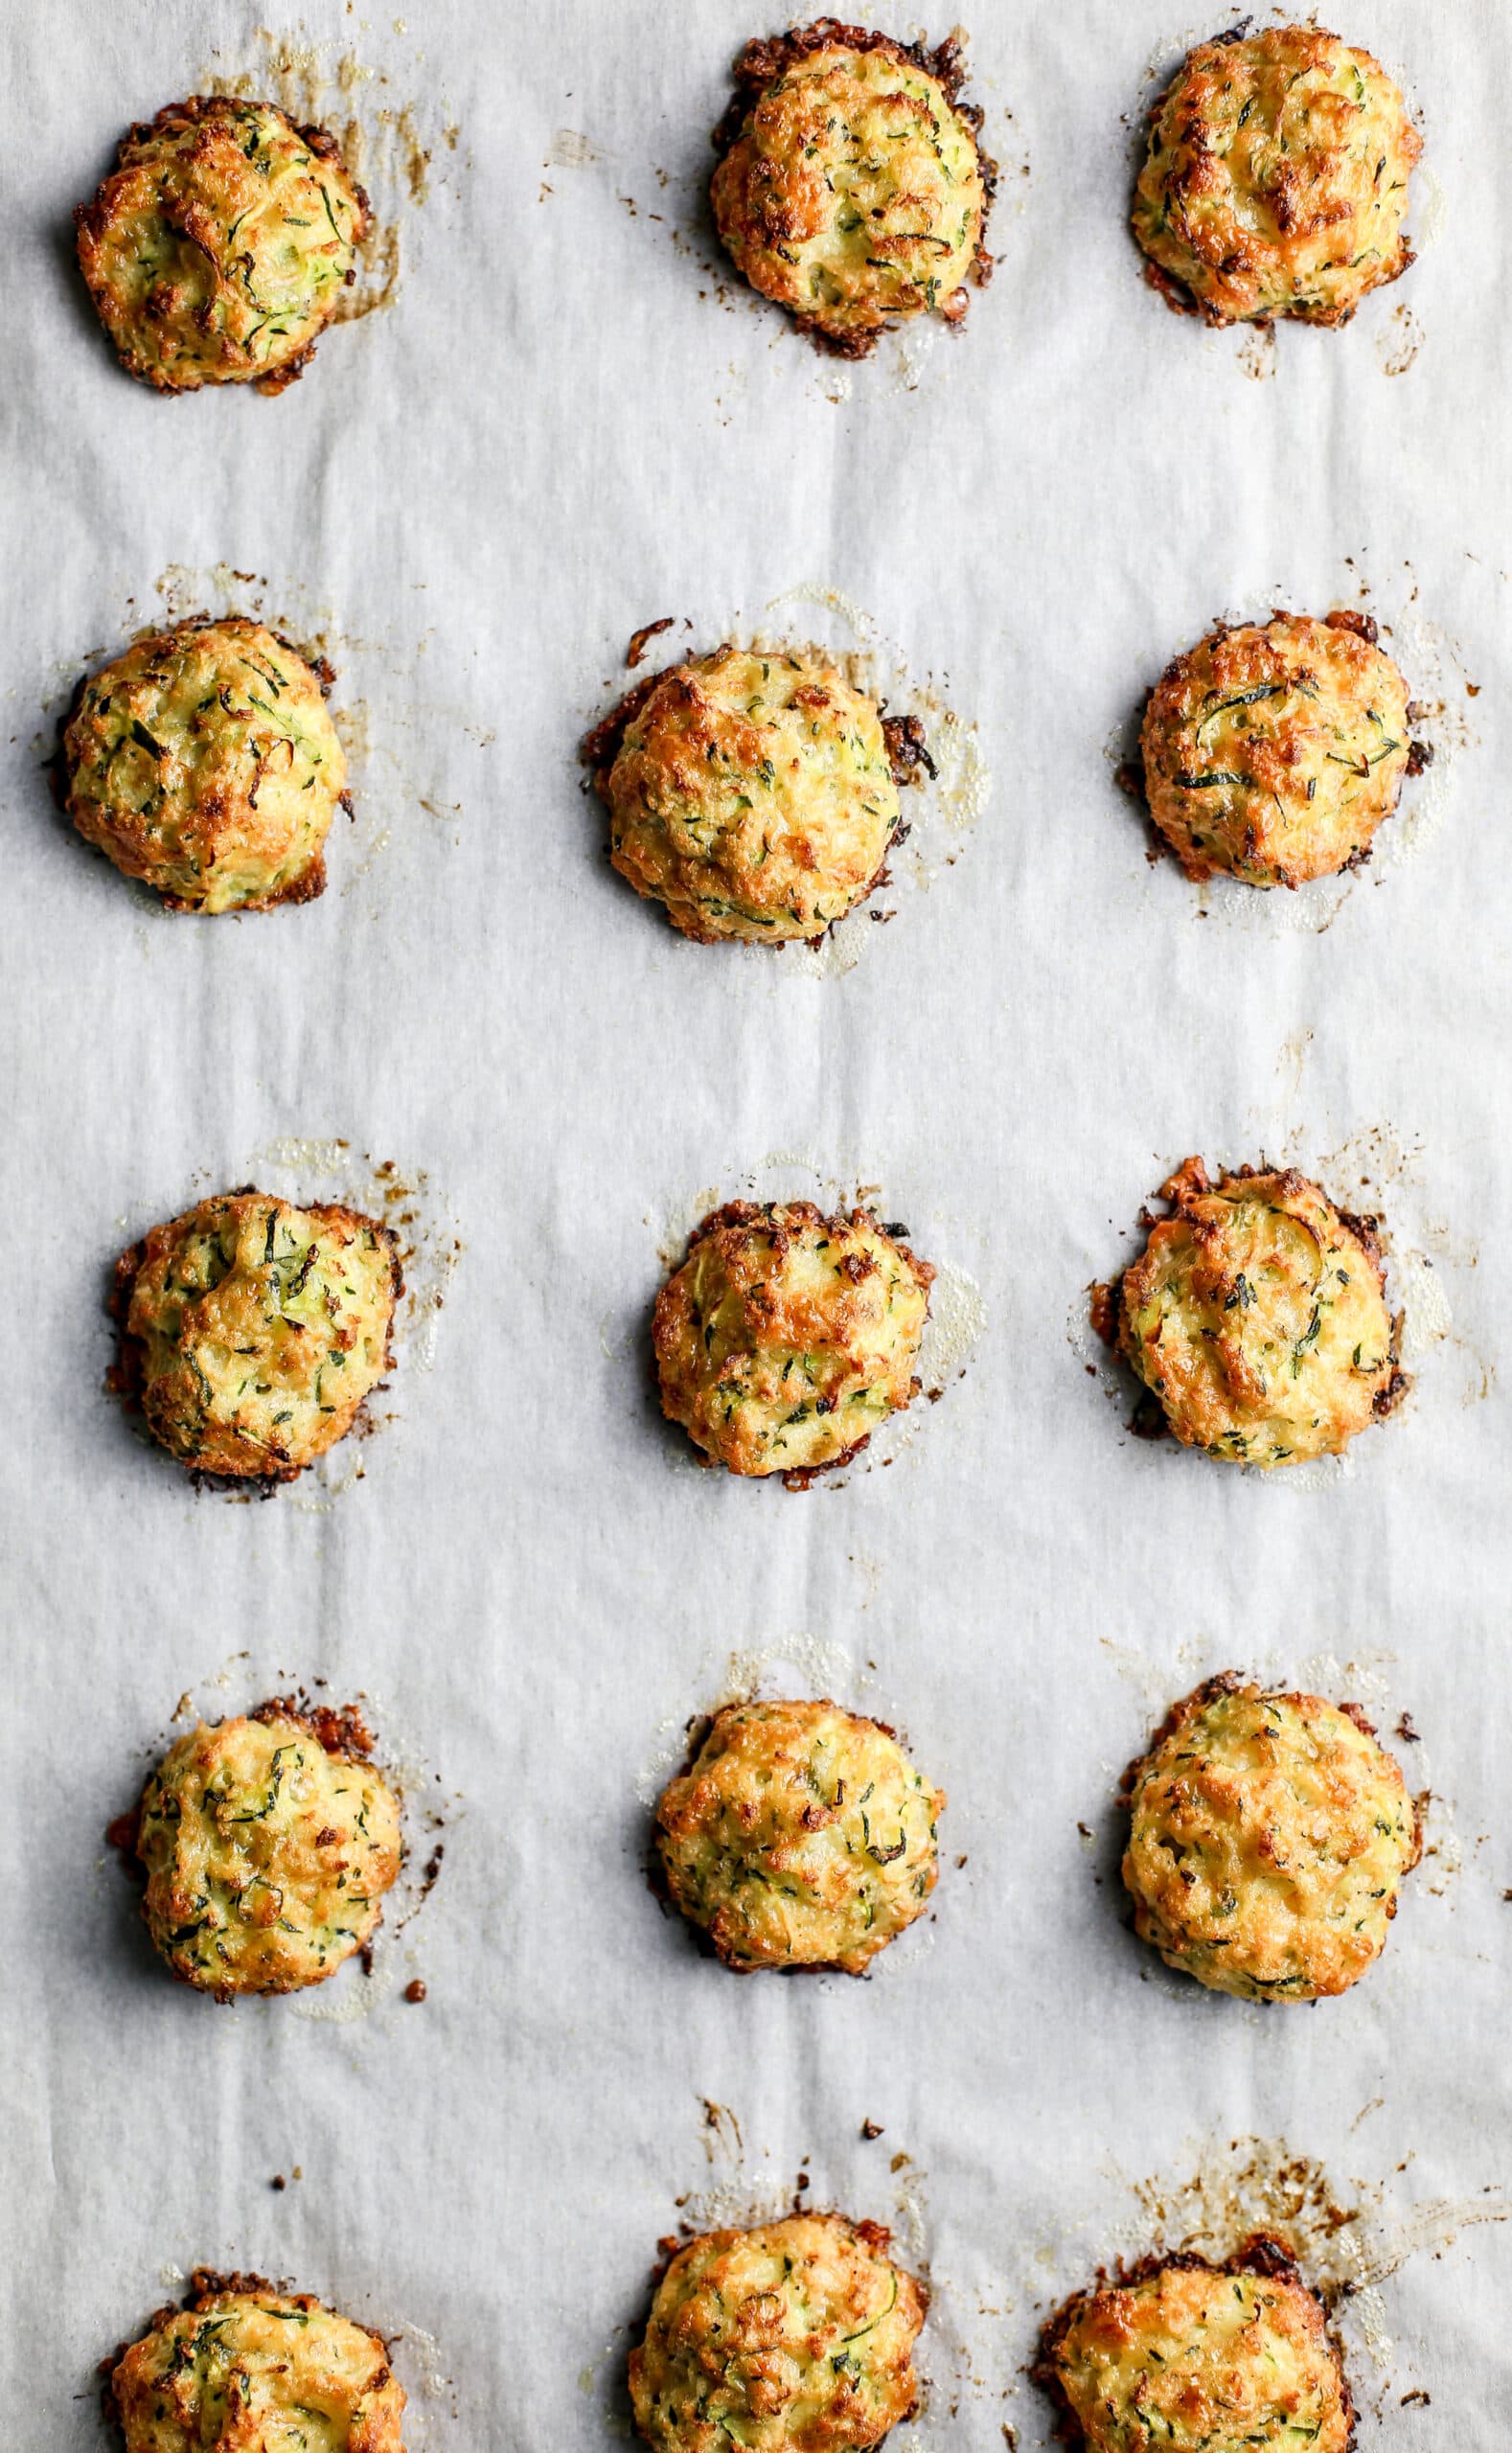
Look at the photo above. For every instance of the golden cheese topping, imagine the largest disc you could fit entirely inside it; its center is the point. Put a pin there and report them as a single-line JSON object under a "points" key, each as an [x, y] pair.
{"points": [[1276, 178], [1192, 2358], [253, 1331], [753, 795], [205, 762], [786, 1337], [246, 2369], [219, 248], [1273, 751], [1268, 1835], [852, 192], [268, 1853], [795, 2337], [1256, 1315], [800, 1836]]}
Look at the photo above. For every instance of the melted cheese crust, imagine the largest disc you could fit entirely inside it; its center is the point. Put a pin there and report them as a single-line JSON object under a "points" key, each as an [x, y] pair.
{"points": [[753, 796], [800, 1836], [1274, 751], [785, 1338], [219, 249], [1256, 1315], [267, 1857], [1268, 1836], [257, 1330], [258, 2371], [1276, 178], [854, 193], [1203, 2359], [796, 2337], [205, 762]]}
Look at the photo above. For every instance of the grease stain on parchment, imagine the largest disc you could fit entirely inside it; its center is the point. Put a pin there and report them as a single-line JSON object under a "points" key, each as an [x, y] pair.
{"points": [[1348, 2236], [1441, 691], [909, 355], [1377, 1169], [304, 1169], [795, 1664], [570, 150], [1398, 340], [427, 1813], [390, 148], [243, 1681], [372, 707], [939, 815], [1255, 355], [1376, 1172], [738, 2193], [956, 1323], [431, 2395]]}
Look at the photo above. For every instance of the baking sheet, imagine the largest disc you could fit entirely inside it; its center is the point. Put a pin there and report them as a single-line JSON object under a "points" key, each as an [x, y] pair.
{"points": [[563, 422]]}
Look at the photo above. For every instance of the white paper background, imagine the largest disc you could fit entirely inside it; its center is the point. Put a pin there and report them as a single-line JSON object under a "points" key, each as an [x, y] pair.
{"points": [[564, 426]]}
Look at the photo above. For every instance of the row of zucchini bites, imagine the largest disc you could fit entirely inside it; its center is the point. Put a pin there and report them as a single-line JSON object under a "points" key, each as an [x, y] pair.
{"points": [[791, 2336], [252, 1333], [1268, 1834], [851, 187], [756, 797], [753, 792]]}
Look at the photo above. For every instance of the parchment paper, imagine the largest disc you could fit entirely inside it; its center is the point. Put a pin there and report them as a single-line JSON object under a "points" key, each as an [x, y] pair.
{"points": [[565, 422]]}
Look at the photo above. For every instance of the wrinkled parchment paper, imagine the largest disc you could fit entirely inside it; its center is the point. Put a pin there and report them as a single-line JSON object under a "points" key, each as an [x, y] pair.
{"points": [[562, 420]]}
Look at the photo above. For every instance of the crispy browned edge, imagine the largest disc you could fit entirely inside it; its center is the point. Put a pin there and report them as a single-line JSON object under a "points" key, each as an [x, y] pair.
{"points": [[875, 2235], [1232, 1681], [1181, 300], [908, 755], [95, 215], [769, 56], [1130, 775], [311, 880], [338, 1729], [124, 1378], [205, 2284], [1189, 1181], [1261, 2252], [699, 1729], [741, 1213]]}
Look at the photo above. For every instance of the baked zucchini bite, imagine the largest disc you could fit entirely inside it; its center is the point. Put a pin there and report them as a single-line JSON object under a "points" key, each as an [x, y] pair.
{"points": [[794, 2334], [251, 1332], [753, 795], [786, 1337], [1273, 751], [799, 1836], [219, 250], [204, 761], [246, 2369], [850, 185], [1268, 1836], [1189, 2357], [1276, 178], [268, 1843], [1256, 1317]]}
